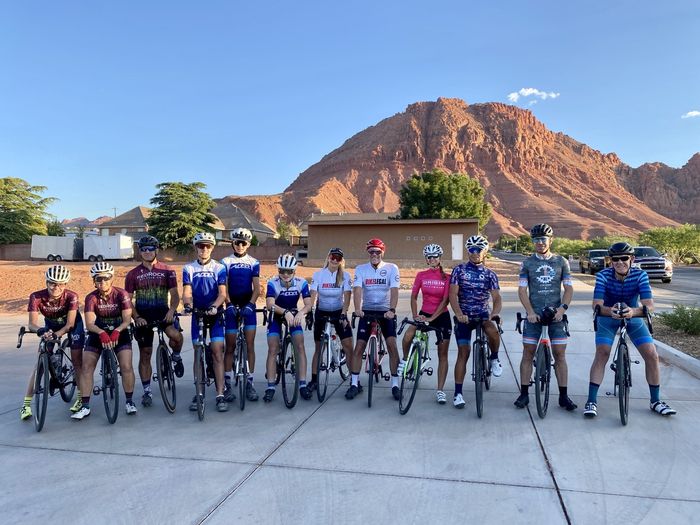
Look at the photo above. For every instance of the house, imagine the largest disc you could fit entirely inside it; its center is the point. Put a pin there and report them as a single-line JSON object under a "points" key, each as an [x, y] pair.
{"points": [[133, 223], [232, 217]]}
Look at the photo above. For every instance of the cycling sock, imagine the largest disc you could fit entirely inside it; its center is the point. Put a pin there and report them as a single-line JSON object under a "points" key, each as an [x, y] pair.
{"points": [[146, 386], [128, 395], [524, 390], [27, 401], [458, 388], [355, 379], [562, 391], [250, 378], [85, 400], [654, 392], [592, 392], [302, 384], [494, 355], [271, 386], [394, 380], [314, 378]]}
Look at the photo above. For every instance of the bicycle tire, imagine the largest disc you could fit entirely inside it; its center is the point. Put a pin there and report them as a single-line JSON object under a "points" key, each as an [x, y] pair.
{"points": [[371, 368], [41, 390], [323, 366], [343, 365], [410, 378], [199, 380], [542, 379], [290, 378], [487, 365], [66, 376], [241, 369], [478, 366], [622, 377], [110, 385], [166, 377]]}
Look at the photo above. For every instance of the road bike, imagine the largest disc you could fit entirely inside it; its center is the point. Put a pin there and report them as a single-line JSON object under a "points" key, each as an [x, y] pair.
{"points": [[109, 372], [543, 360], [240, 358], [332, 356], [374, 354], [203, 373], [416, 363], [164, 374], [286, 364], [54, 372]]}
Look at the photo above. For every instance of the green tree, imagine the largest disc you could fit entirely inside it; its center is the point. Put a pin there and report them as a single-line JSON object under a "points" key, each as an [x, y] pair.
{"points": [[566, 247], [286, 230], [440, 195], [54, 227], [22, 210], [680, 243], [180, 210]]}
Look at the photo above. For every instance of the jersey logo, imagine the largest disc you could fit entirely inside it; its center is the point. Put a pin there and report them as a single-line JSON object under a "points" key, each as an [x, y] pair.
{"points": [[548, 274], [382, 273]]}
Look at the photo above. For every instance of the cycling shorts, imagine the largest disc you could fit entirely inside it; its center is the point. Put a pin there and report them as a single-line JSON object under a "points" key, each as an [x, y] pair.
{"points": [[214, 324], [274, 328], [250, 320], [76, 334], [532, 331], [637, 331], [388, 326], [95, 345], [342, 330], [144, 335], [463, 331], [442, 323]]}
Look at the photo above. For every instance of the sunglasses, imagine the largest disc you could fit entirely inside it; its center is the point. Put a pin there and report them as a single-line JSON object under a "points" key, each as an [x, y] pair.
{"points": [[474, 249], [336, 258], [148, 249], [103, 278], [240, 243], [623, 258], [202, 246], [374, 252], [432, 257], [540, 239], [286, 272]]}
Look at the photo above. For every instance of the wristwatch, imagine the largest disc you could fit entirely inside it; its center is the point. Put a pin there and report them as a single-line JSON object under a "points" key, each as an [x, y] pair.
{"points": [[392, 310], [565, 306]]}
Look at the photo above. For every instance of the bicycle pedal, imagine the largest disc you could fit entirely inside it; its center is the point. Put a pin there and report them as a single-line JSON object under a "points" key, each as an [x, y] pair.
{"points": [[613, 367], [429, 370], [155, 377], [386, 377], [636, 362], [96, 391]]}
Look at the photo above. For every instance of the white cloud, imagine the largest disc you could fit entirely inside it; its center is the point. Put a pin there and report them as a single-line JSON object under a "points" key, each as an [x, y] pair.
{"points": [[531, 92], [691, 114]]}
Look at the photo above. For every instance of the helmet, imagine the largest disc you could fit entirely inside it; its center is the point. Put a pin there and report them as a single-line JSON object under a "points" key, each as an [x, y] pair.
{"points": [[376, 243], [241, 234], [58, 274], [286, 262], [478, 241], [100, 268], [620, 248], [204, 238], [432, 250], [541, 230], [148, 240], [336, 251]]}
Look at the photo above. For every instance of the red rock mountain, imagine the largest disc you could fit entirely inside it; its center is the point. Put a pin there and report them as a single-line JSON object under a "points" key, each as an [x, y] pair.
{"points": [[530, 174]]}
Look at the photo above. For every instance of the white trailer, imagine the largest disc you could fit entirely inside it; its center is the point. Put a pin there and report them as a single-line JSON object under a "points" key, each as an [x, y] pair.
{"points": [[101, 247], [52, 248]]}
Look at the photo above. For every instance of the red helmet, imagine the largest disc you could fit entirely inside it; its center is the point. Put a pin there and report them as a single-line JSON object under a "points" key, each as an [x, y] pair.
{"points": [[376, 243]]}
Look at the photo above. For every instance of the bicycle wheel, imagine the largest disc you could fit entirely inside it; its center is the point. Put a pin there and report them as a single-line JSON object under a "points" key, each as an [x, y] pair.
{"points": [[343, 365], [322, 369], [410, 378], [110, 385], [371, 368], [542, 377], [66, 373], [41, 390], [290, 381], [199, 380], [487, 365], [478, 366], [166, 377], [622, 378], [241, 369]]}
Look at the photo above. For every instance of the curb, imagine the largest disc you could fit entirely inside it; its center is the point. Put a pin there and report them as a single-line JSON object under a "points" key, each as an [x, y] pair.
{"points": [[678, 358]]}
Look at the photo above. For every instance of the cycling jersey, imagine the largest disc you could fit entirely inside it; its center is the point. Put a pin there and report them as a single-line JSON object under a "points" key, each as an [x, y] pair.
{"points": [[475, 283], [628, 291], [544, 277], [55, 312], [204, 280], [240, 272], [376, 284], [330, 296], [150, 289], [287, 297], [108, 309], [434, 286]]}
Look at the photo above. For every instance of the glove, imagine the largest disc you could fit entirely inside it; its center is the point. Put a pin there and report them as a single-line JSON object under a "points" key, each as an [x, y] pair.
{"points": [[115, 336], [188, 309], [41, 331], [104, 338], [212, 310]]}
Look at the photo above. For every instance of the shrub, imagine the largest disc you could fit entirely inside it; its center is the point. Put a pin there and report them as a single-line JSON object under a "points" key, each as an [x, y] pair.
{"points": [[683, 318]]}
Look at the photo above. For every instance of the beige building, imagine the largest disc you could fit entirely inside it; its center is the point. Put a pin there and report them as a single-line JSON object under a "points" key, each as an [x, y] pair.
{"points": [[404, 239]]}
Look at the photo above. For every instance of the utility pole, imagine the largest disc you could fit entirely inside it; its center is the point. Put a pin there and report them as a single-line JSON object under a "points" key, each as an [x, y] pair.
{"points": [[115, 211]]}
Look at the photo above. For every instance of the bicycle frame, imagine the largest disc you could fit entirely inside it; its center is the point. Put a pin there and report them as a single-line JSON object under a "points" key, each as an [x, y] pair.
{"points": [[240, 358], [416, 362], [375, 352]]}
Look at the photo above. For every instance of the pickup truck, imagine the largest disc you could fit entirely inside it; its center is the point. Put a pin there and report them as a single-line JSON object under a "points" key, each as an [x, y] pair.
{"points": [[593, 261], [651, 261]]}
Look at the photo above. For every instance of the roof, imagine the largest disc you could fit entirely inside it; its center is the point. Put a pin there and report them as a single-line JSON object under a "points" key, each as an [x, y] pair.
{"points": [[136, 218], [234, 217], [374, 218]]}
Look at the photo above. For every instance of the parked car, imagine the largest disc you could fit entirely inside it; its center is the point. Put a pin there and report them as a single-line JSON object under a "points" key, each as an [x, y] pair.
{"points": [[593, 261], [655, 264]]}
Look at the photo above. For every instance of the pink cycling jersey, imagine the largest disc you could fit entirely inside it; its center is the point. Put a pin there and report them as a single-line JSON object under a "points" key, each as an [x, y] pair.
{"points": [[435, 288]]}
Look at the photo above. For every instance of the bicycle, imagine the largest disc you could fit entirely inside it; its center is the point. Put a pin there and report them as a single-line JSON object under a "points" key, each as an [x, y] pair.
{"points": [[621, 363], [240, 359], [543, 361], [109, 370], [374, 354], [416, 363], [202, 348], [286, 363], [332, 356], [164, 374], [54, 371]]}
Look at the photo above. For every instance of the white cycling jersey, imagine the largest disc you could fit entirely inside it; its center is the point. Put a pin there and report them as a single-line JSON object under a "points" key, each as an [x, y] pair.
{"points": [[330, 296], [376, 284]]}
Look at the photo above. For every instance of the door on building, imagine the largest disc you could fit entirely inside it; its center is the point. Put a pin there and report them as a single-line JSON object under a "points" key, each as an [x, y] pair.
{"points": [[457, 246]]}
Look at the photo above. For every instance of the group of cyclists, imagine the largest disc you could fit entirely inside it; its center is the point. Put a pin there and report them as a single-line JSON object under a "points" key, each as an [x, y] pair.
{"points": [[227, 291]]}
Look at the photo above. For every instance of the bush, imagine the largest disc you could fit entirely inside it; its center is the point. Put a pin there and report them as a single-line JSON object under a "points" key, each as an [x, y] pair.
{"points": [[683, 318]]}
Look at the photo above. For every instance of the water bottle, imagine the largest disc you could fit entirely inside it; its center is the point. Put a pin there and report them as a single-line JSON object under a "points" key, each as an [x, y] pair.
{"points": [[335, 349]]}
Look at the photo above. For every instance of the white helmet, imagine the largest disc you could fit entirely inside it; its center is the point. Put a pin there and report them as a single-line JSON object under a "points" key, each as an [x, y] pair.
{"points": [[241, 234], [204, 238], [432, 250], [286, 262], [100, 268], [477, 241], [58, 274]]}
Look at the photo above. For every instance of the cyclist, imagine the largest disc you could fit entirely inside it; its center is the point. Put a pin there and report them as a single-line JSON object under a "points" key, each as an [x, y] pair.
{"points": [[243, 277], [204, 288], [376, 291], [330, 292], [435, 286], [107, 319], [471, 287], [542, 276], [283, 293], [59, 306], [618, 291], [148, 286]]}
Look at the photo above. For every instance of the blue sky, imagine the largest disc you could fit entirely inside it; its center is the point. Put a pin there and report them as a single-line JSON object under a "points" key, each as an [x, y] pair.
{"points": [[100, 101]]}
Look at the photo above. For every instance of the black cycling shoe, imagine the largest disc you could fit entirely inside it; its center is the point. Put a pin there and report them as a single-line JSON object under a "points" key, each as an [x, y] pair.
{"points": [[312, 385], [353, 391], [229, 396], [305, 392], [396, 392], [178, 367], [522, 401], [565, 402], [269, 395]]}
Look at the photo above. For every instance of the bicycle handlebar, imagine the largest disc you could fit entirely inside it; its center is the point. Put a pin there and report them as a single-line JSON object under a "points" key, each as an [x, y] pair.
{"points": [[421, 326], [623, 320], [523, 317], [24, 330], [371, 317], [237, 311]]}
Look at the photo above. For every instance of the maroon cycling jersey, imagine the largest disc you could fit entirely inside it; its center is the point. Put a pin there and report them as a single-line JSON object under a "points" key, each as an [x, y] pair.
{"points": [[150, 287], [55, 312], [108, 309]]}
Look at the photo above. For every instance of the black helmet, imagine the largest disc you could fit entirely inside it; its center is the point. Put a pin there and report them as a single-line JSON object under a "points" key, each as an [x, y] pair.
{"points": [[541, 230], [620, 248], [148, 240]]}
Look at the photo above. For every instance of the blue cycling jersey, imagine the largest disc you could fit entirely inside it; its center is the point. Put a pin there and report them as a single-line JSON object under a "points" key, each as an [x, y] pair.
{"points": [[204, 280], [475, 284], [240, 273], [629, 291], [287, 297]]}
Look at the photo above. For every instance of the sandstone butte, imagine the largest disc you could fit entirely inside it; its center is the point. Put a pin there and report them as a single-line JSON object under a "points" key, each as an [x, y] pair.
{"points": [[530, 174]]}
